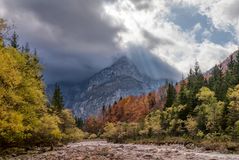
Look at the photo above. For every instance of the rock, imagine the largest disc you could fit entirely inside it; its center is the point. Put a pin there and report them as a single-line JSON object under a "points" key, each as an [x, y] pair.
{"points": [[108, 151], [190, 146], [14, 155], [148, 156], [121, 146]]}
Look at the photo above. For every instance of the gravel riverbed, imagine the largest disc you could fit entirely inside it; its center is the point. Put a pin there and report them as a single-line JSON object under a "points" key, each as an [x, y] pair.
{"points": [[102, 150]]}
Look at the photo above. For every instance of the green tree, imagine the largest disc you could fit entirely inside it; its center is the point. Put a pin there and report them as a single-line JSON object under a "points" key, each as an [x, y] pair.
{"points": [[171, 95], [217, 83], [14, 40], [195, 83], [27, 48], [57, 99], [236, 68], [79, 122], [232, 72], [182, 97]]}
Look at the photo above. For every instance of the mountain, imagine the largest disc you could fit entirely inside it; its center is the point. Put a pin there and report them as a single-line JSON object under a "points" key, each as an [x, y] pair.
{"points": [[223, 64], [121, 79], [135, 108], [110, 84]]}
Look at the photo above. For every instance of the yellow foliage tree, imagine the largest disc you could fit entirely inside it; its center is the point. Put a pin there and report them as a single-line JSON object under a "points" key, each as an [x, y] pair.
{"points": [[210, 109]]}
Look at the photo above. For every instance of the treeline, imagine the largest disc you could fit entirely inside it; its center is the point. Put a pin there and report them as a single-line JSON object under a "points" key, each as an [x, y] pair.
{"points": [[26, 118], [128, 109], [198, 108]]}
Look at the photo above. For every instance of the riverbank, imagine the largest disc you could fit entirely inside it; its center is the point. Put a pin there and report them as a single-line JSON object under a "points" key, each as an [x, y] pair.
{"points": [[102, 150]]}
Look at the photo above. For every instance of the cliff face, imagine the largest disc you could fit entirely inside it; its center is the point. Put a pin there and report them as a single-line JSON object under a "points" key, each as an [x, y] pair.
{"points": [[104, 88], [121, 79], [223, 64]]}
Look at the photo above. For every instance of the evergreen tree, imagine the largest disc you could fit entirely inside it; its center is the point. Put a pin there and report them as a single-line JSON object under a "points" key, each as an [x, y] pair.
{"points": [[57, 99], [79, 122], [182, 95], [14, 40], [231, 73], [195, 83], [103, 112], [35, 52], [236, 68], [27, 48], [171, 95], [182, 99], [217, 83]]}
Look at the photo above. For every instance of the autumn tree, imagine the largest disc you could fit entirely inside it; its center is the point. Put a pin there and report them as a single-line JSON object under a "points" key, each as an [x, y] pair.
{"points": [[233, 108], [25, 119], [210, 112], [151, 100]]}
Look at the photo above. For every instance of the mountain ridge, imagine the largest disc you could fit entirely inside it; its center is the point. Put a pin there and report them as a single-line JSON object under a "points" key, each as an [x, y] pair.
{"points": [[121, 79]]}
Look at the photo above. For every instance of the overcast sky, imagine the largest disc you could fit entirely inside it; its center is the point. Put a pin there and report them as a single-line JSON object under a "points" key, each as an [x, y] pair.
{"points": [[76, 38]]}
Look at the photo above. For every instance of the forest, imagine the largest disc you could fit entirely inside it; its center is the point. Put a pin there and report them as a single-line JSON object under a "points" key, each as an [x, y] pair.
{"points": [[200, 110], [27, 118]]}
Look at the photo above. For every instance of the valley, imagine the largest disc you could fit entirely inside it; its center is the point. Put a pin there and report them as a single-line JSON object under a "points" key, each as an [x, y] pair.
{"points": [[119, 80]]}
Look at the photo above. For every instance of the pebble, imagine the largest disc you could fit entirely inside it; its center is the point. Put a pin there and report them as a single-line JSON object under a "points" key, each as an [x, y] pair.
{"points": [[101, 150]]}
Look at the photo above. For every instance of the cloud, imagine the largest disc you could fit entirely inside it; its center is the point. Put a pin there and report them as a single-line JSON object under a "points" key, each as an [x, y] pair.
{"points": [[177, 44], [154, 41], [151, 65], [224, 14], [77, 38], [71, 34]]}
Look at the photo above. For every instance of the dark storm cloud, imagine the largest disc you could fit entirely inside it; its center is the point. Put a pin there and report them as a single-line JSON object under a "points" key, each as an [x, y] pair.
{"points": [[75, 38], [81, 36]]}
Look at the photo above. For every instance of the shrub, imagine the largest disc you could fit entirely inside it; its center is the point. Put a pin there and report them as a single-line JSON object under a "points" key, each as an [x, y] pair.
{"points": [[92, 136], [73, 134]]}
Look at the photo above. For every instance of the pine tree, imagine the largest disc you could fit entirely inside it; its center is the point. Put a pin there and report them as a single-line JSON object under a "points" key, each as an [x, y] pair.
{"points": [[230, 76], [57, 99], [217, 83], [171, 95], [103, 112], [236, 68], [182, 95], [27, 48], [22, 49], [79, 122], [35, 52], [195, 83], [14, 40]]}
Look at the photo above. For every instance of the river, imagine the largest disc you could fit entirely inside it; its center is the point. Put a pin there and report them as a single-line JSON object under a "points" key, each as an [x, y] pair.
{"points": [[102, 150]]}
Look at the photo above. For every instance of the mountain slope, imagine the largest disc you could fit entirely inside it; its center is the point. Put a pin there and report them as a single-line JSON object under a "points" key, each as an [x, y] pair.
{"points": [[134, 108], [110, 84]]}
